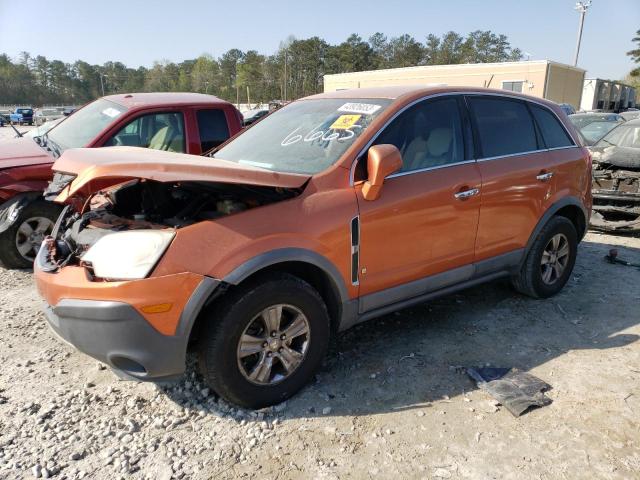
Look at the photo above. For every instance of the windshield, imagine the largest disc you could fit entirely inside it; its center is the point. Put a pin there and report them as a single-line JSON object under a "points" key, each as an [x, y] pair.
{"points": [[596, 130], [25, 111], [85, 124], [42, 129], [582, 121], [307, 136], [623, 136]]}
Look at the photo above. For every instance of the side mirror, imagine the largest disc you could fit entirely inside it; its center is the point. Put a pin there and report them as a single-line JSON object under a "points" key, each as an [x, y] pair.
{"points": [[382, 160]]}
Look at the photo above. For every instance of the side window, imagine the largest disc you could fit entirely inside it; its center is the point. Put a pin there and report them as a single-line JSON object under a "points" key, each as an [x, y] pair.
{"points": [[504, 127], [213, 128], [159, 131], [553, 133], [429, 134]]}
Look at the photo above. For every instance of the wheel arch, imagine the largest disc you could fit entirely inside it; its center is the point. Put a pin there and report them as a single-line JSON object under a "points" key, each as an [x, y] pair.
{"points": [[10, 209], [568, 207], [307, 265]]}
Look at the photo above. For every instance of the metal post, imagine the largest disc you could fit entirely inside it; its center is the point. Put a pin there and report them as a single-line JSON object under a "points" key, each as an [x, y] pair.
{"points": [[285, 75], [582, 7], [102, 85]]}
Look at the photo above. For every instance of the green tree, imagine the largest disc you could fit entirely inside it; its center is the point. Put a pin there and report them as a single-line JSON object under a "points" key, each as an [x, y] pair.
{"points": [[297, 68], [205, 75], [432, 50], [405, 51], [635, 55], [229, 88], [352, 55]]}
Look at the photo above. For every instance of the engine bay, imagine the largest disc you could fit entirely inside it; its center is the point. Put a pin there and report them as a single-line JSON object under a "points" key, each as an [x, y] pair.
{"points": [[149, 204]]}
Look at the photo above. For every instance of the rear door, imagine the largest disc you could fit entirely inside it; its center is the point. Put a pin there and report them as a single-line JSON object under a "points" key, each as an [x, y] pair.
{"points": [[424, 223], [517, 173]]}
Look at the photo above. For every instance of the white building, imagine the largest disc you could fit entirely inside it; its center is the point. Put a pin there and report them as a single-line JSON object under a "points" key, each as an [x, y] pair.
{"points": [[607, 95]]}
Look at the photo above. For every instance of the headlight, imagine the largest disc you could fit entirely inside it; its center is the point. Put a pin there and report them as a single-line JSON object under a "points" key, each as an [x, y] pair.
{"points": [[127, 255]]}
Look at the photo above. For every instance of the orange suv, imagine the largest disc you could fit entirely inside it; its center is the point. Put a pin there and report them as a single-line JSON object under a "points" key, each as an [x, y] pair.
{"points": [[336, 209]]}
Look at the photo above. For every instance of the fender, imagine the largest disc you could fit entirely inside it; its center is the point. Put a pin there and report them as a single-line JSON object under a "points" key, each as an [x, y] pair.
{"points": [[551, 211], [10, 210], [281, 255]]}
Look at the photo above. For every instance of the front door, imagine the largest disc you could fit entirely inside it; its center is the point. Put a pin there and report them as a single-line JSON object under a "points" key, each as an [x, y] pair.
{"points": [[424, 223]]}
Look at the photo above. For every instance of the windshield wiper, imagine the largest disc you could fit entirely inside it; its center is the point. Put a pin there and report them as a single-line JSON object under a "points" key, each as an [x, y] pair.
{"points": [[18, 134]]}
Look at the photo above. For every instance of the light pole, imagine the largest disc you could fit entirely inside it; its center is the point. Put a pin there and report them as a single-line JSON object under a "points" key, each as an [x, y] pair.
{"points": [[285, 75], [102, 83], [582, 7]]}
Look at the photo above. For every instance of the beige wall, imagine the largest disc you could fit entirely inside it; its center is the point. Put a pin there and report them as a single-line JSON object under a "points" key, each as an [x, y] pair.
{"points": [[492, 75], [564, 85]]}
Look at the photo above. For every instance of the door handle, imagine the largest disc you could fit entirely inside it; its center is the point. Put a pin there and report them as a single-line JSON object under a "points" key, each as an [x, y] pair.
{"points": [[467, 193], [543, 177]]}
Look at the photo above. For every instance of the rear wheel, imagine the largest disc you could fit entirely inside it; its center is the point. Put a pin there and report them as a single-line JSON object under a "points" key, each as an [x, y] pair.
{"points": [[19, 244], [264, 343], [550, 260]]}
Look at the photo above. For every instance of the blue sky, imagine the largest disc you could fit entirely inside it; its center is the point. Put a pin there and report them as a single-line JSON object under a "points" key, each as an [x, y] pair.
{"points": [[137, 32]]}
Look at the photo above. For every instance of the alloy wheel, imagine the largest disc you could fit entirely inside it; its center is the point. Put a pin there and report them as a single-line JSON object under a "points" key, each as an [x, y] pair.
{"points": [[273, 345], [30, 235], [555, 258]]}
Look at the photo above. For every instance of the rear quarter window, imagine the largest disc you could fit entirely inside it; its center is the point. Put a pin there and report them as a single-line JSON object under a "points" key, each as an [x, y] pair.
{"points": [[553, 133], [503, 126], [213, 128]]}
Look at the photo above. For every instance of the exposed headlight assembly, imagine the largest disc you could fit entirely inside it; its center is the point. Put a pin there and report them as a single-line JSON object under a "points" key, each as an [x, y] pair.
{"points": [[127, 255]]}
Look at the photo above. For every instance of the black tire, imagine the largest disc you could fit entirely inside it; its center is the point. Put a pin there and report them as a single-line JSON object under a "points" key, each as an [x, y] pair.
{"points": [[220, 337], [530, 279], [10, 257]]}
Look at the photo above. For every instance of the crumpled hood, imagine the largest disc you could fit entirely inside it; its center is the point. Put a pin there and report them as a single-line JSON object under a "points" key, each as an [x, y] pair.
{"points": [[622, 157], [21, 152], [98, 168]]}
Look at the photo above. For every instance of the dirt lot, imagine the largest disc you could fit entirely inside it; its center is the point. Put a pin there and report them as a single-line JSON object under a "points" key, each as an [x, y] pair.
{"points": [[390, 402]]}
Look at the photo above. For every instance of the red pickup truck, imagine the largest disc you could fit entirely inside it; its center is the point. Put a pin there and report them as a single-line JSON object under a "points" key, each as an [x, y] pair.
{"points": [[176, 122]]}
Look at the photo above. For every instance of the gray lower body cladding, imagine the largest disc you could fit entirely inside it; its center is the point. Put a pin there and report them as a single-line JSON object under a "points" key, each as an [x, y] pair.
{"points": [[116, 334]]}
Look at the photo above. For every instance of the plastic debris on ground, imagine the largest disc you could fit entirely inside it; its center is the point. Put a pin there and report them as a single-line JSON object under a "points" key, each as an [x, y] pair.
{"points": [[517, 391]]}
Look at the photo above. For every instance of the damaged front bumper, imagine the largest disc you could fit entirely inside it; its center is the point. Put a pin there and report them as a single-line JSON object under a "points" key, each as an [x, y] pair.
{"points": [[119, 323], [616, 200]]}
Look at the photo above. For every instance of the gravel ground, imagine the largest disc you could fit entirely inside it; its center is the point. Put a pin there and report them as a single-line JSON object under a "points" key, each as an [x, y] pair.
{"points": [[391, 400]]}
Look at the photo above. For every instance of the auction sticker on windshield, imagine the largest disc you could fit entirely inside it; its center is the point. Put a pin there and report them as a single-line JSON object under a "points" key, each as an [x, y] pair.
{"points": [[362, 108], [111, 112], [344, 122]]}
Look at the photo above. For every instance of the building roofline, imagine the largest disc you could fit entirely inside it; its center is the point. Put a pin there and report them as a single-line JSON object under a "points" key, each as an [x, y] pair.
{"points": [[618, 82], [461, 65]]}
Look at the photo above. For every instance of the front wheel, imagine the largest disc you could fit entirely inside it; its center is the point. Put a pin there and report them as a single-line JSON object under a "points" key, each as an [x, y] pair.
{"points": [[550, 260], [264, 342], [19, 244]]}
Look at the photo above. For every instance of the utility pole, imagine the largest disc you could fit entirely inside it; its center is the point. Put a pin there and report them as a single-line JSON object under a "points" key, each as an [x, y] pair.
{"points": [[102, 83], [582, 7], [285, 76]]}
